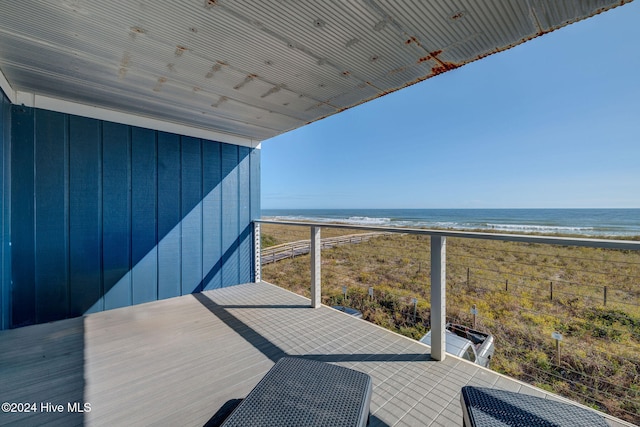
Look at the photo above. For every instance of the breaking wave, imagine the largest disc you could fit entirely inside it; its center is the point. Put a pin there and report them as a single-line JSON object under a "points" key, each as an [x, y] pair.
{"points": [[540, 228], [585, 222]]}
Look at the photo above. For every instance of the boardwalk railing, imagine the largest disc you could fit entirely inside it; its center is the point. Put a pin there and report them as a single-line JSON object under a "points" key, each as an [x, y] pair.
{"points": [[303, 247]]}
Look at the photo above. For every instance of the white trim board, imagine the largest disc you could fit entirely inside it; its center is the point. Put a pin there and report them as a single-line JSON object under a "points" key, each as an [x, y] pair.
{"points": [[53, 104], [6, 88]]}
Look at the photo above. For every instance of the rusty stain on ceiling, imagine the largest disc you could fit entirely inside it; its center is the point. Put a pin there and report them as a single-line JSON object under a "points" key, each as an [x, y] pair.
{"points": [[264, 67]]}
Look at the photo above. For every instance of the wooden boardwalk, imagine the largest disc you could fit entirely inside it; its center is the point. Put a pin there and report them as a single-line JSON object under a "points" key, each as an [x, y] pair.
{"points": [[187, 360]]}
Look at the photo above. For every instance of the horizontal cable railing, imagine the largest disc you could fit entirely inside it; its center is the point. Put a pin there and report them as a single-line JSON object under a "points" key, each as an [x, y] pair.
{"points": [[519, 288]]}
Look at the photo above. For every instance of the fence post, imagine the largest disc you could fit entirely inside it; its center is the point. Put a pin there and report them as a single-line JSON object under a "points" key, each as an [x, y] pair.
{"points": [[474, 312], [316, 290], [468, 277], [558, 337], [506, 285], [257, 261], [605, 296], [551, 291], [438, 296]]}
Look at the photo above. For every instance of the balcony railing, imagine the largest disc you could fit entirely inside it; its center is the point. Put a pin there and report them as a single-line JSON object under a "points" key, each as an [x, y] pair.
{"points": [[518, 287]]}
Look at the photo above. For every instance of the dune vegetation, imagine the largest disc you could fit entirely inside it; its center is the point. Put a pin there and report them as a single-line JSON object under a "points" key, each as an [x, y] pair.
{"points": [[523, 292]]}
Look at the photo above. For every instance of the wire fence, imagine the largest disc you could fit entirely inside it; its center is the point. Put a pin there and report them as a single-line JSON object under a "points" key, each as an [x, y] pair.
{"points": [[521, 292]]}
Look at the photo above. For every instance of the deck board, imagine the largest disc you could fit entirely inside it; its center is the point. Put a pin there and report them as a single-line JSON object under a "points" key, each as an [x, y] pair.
{"points": [[178, 361]]}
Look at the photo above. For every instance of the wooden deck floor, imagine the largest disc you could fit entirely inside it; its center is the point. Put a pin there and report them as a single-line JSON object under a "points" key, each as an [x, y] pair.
{"points": [[187, 360]]}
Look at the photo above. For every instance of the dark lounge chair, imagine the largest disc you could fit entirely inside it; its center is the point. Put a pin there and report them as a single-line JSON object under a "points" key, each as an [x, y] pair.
{"points": [[487, 407], [304, 392]]}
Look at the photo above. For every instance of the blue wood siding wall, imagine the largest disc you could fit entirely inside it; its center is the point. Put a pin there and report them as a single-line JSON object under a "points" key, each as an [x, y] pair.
{"points": [[116, 214], [105, 215], [169, 214], [5, 203], [23, 293]]}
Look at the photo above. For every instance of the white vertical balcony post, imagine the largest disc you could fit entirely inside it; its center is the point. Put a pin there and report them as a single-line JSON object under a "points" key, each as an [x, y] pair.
{"points": [[438, 296], [316, 291], [257, 262]]}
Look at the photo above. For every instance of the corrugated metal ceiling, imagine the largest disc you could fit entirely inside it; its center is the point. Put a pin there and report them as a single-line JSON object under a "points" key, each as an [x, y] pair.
{"points": [[255, 69]]}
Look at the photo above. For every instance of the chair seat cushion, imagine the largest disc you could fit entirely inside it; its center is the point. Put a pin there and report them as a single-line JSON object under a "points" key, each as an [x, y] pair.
{"points": [[299, 391]]}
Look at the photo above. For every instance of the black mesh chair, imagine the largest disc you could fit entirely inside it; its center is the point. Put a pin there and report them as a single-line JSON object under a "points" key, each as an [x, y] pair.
{"points": [[487, 407], [302, 392]]}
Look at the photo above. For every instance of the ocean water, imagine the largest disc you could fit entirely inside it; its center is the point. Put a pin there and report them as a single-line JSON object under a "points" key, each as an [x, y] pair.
{"points": [[584, 222]]}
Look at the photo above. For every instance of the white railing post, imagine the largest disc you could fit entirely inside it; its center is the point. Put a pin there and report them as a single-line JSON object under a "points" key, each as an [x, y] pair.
{"points": [[257, 262], [316, 291], [438, 296]]}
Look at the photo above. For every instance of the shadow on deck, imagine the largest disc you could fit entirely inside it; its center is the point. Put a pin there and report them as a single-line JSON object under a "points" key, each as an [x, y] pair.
{"points": [[190, 360]]}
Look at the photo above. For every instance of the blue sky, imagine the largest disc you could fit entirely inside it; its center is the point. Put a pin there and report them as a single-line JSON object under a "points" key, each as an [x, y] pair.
{"points": [[551, 123]]}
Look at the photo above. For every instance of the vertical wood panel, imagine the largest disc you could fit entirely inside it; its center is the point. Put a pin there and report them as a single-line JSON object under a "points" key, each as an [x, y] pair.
{"points": [[85, 219], [255, 184], [116, 222], [191, 214], [143, 215], [212, 215], [22, 216], [3, 236], [51, 242], [169, 227], [122, 215], [230, 209], [255, 194], [244, 215], [5, 267]]}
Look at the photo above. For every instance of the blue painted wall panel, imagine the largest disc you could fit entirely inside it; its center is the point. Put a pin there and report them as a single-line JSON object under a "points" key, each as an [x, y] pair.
{"points": [[122, 215], [191, 215], [169, 227], [116, 218], [254, 183], [244, 215], [51, 243], [212, 215], [144, 195], [230, 215], [22, 216], [5, 201], [85, 215]]}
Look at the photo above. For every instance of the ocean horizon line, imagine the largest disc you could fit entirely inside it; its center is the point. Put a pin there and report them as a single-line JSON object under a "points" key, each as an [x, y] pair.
{"points": [[588, 222], [435, 209]]}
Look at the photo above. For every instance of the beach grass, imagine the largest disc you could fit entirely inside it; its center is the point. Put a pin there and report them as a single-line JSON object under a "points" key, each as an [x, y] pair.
{"points": [[523, 292]]}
